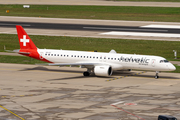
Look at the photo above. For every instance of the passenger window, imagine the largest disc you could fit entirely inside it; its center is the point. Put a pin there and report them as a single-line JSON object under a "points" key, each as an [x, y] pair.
{"points": [[51, 54], [45, 54], [54, 54], [57, 54], [71, 55], [67, 55]]}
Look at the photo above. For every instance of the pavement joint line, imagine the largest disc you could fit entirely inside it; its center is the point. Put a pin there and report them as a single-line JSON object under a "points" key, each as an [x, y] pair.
{"points": [[125, 76], [127, 112], [12, 112], [16, 96]]}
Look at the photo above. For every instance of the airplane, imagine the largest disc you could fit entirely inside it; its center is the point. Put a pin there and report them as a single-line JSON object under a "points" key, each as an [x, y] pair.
{"points": [[98, 63]]}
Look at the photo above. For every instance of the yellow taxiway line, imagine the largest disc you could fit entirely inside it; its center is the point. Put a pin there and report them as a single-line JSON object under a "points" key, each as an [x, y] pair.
{"points": [[12, 112]]}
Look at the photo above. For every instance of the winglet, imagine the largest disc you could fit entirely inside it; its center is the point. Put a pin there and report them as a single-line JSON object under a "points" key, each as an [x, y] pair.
{"points": [[25, 41]]}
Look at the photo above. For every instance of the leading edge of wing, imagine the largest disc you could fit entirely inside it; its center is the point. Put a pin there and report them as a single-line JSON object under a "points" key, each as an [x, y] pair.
{"points": [[74, 64]]}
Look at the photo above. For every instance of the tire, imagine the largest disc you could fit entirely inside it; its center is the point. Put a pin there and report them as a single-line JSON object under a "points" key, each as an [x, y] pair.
{"points": [[86, 74]]}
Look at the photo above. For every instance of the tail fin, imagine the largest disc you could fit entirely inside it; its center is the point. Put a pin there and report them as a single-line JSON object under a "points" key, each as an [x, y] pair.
{"points": [[25, 41]]}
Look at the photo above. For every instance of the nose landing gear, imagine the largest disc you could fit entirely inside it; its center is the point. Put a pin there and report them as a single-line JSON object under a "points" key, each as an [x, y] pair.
{"points": [[88, 72], [156, 76]]}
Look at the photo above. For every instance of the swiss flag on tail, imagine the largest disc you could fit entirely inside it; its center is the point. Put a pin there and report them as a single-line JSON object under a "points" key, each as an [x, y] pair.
{"points": [[25, 41]]}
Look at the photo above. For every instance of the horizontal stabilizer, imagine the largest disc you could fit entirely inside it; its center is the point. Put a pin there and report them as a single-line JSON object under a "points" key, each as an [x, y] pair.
{"points": [[12, 51], [25, 53]]}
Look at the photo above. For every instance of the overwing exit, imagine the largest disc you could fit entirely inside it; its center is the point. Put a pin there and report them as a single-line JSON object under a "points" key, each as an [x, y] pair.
{"points": [[98, 63]]}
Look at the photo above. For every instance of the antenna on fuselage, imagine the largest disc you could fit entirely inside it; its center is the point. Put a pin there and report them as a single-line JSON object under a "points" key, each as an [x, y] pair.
{"points": [[113, 51]]}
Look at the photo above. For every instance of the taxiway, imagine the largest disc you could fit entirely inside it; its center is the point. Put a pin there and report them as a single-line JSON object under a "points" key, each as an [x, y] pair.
{"points": [[143, 30], [34, 92]]}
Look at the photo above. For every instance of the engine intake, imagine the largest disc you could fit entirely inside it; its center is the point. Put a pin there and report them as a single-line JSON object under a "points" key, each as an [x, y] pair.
{"points": [[103, 70]]}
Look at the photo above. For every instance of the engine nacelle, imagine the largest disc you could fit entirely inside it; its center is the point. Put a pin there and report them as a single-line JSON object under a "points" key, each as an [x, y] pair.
{"points": [[103, 70]]}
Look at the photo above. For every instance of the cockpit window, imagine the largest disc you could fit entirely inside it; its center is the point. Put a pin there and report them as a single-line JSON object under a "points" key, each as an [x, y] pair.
{"points": [[164, 61]]}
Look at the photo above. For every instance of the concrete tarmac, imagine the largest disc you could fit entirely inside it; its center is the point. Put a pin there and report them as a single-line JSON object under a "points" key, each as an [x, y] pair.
{"points": [[33, 92], [92, 2]]}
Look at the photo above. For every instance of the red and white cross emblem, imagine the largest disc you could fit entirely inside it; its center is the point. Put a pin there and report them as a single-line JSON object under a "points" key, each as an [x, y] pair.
{"points": [[24, 40]]}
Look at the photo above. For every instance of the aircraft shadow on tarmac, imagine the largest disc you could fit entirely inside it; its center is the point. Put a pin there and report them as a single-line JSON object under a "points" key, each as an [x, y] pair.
{"points": [[160, 76], [115, 74], [50, 70]]}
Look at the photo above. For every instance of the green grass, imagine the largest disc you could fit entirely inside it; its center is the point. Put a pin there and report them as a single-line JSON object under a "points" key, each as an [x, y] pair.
{"points": [[177, 69], [148, 0], [18, 59], [146, 47], [167, 14]]}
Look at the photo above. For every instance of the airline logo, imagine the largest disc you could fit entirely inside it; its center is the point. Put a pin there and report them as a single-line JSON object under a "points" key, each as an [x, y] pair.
{"points": [[24, 40], [141, 61]]}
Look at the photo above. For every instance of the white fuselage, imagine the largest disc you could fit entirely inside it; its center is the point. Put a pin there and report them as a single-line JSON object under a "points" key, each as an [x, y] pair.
{"points": [[115, 60]]}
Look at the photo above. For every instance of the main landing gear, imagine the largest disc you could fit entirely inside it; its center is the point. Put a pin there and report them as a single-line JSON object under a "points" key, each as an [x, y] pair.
{"points": [[88, 72], [156, 76]]}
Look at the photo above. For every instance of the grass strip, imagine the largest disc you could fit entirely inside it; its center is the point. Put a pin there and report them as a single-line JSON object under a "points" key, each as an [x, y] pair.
{"points": [[143, 47], [165, 14], [18, 59]]}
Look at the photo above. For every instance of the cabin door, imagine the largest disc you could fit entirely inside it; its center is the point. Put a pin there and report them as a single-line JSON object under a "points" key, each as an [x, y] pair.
{"points": [[102, 58], [41, 55], [153, 63]]}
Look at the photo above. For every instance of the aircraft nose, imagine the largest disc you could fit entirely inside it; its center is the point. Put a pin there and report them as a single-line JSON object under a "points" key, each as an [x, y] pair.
{"points": [[171, 67]]}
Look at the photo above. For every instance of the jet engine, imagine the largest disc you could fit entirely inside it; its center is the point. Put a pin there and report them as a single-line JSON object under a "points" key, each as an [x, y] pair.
{"points": [[103, 70]]}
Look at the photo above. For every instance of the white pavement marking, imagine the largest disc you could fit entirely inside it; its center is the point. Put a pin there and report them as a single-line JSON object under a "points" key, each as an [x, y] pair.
{"points": [[162, 26], [142, 34], [117, 103], [101, 28]]}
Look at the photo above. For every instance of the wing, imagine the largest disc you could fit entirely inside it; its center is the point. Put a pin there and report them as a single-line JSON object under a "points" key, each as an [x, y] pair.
{"points": [[75, 64]]}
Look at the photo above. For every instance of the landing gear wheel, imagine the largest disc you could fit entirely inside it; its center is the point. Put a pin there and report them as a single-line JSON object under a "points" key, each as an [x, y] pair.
{"points": [[86, 74], [156, 77]]}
